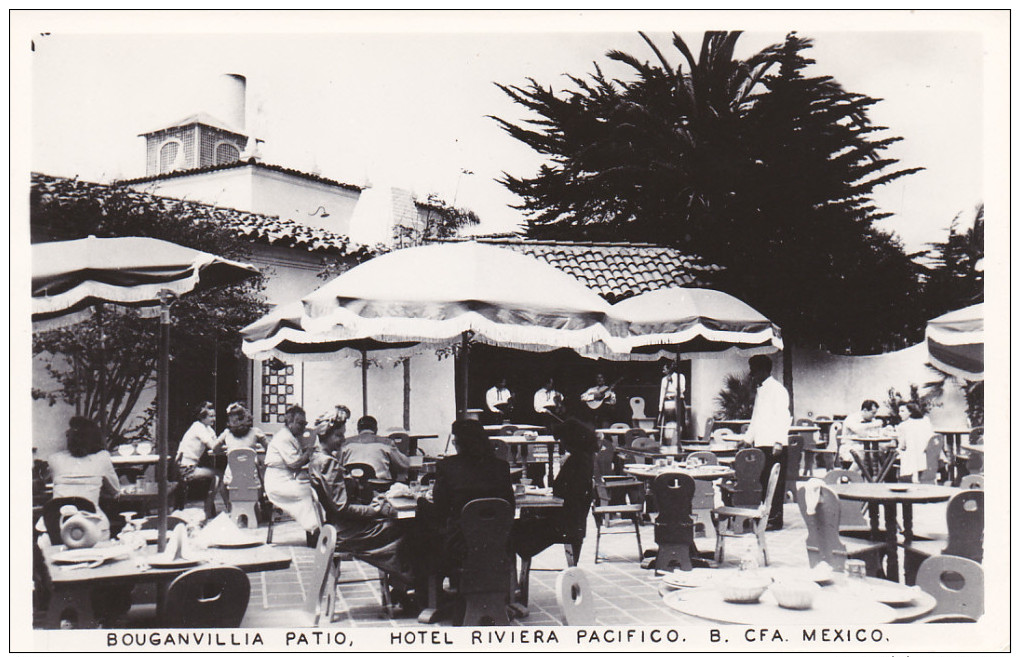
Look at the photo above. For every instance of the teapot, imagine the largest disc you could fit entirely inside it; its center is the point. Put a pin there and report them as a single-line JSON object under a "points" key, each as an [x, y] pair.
{"points": [[82, 529]]}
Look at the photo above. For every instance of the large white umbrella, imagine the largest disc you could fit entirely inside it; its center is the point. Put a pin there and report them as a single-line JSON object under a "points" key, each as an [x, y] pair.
{"points": [[956, 342], [70, 277], [444, 293], [681, 319]]}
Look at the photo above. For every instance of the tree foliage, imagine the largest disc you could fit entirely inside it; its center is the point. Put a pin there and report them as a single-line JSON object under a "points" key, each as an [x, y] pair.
{"points": [[955, 275], [105, 364], [752, 164]]}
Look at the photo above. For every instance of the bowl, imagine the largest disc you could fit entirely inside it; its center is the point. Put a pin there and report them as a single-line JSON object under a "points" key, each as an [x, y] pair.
{"points": [[794, 594], [144, 448], [744, 589], [127, 449]]}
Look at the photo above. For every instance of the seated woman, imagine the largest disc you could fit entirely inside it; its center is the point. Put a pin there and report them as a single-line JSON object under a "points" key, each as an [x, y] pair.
{"points": [[574, 485], [85, 468], [473, 473], [287, 486], [197, 440]]}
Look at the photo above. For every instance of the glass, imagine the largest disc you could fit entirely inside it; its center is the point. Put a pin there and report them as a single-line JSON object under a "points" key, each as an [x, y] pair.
{"points": [[856, 575]]}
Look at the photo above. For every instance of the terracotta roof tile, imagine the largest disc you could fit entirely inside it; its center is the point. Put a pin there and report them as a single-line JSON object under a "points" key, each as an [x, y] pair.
{"points": [[238, 164], [614, 270]]}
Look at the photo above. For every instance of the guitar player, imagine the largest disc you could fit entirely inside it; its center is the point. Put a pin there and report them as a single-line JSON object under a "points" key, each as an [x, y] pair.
{"points": [[601, 399]]}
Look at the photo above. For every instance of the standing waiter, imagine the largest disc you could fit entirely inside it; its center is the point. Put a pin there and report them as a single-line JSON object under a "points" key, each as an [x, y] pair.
{"points": [[769, 430]]}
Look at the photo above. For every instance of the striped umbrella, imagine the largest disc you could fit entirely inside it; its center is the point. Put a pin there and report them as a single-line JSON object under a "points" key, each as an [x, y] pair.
{"points": [[69, 278], [956, 342]]}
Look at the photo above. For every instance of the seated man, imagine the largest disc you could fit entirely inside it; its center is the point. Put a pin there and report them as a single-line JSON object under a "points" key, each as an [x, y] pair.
{"points": [[862, 424], [377, 451]]}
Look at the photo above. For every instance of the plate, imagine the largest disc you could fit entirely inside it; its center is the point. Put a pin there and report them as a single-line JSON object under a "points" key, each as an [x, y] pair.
{"points": [[238, 543], [689, 578], [894, 596], [87, 555], [899, 489], [823, 576], [164, 561]]}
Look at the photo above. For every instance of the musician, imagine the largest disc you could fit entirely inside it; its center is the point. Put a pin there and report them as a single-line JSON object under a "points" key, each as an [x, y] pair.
{"points": [[672, 405], [601, 399], [499, 400], [549, 403]]}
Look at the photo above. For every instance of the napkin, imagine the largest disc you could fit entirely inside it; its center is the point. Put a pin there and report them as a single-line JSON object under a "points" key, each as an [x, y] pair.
{"points": [[812, 493], [221, 530], [399, 489]]}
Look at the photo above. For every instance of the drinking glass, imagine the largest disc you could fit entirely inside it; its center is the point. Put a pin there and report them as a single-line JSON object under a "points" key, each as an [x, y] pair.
{"points": [[856, 575]]}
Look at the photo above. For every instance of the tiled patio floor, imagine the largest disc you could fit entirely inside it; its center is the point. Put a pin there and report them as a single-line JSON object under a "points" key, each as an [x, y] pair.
{"points": [[624, 593]]}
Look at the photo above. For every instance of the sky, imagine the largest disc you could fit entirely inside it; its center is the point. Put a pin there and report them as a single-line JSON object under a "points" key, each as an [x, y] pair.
{"points": [[397, 101]]}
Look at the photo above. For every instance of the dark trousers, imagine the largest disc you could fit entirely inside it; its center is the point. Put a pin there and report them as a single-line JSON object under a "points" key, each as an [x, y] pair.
{"points": [[776, 513]]}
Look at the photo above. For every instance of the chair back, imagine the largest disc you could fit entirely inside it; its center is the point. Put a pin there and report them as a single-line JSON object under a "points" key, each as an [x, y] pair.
{"points": [[321, 576], [717, 434], [402, 441], [358, 479], [932, 452], [244, 483], [709, 427], [648, 445], [207, 596], [972, 482], [804, 422], [770, 491], [51, 514], [78, 485], [823, 541], [574, 594], [485, 524], [975, 464], [957, 584], [794, 449], [605, 461], [706, 458], [508, 430], [632, 435], [849, 511], [620, 426], [674, 493], [637, 407], [965, 518], [500, 449], [152, 522], [747, 467]]}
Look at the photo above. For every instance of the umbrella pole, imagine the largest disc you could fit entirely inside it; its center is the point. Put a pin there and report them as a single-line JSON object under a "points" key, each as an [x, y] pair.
{"points": [[364, 382], [163, 416], [463, 373]]}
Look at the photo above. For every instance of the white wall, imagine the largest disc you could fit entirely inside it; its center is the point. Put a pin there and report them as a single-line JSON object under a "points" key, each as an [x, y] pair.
{"points": [[229, 188], [278, 194]]}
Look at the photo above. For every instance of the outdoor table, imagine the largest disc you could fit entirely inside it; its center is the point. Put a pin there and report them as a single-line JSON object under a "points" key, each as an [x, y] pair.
{"points": [[889, 495], [825, 426], [734, 425], [496, 428], [528, 441], [142, 497], [134, 460], [413, 439], [830, 607], [72, 587], [871, 443], [617, 434], [706, 472], [980, 449], [920, 605], [954, 440]]}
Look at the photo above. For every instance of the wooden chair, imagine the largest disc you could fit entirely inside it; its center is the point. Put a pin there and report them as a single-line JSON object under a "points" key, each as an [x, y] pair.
{"points": [[486, 572], [638, 417], [643, 444], [619, 426], [706, 458], [361, 482], [851, 514], [674, 528], [744, 488], [824, 451], [730, 520], [634, 434], [974, 464], [794, 453], [207, 596], [320, 592], [618, 487], [965, 519], [717, 434], [709, 428], [611, 493], [972, 482], [575, 597], [932, 453], [402, 440], [244, 488], [957, 584], [51, 514], [823, 540]]}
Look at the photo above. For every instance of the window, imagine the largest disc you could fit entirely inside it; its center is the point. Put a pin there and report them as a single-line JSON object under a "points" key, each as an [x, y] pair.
{"points": [[226, 153], [168, 154]]}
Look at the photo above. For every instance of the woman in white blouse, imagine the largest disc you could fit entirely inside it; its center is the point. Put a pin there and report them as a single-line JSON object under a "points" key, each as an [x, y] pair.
{"points": [[84, 469], [200, 437], [287, 459], [913, 435]]}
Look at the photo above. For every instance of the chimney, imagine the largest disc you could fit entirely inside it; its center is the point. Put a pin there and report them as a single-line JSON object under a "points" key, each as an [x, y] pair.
{"points": [[233, 87]]}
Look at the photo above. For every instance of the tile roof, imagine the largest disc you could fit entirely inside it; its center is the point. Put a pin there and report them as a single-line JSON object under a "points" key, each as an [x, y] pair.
{"points": [[257, 227], [615, 270], [238, 164]]}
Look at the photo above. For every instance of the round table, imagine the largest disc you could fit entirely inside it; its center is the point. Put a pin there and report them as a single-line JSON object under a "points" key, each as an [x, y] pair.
{"points": [[830, 607], [889, 495], [707, 473]]}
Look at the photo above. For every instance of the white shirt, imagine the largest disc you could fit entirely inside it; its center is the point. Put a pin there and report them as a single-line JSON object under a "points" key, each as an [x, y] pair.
{"points": [[195, 441], [856, 425], [672, 387], [913, 435], [83, 476], [770, 419], [545, 398], [496, 395]]}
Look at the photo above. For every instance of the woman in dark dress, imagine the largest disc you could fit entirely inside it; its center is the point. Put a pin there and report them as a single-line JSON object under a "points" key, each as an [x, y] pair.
{"points": [[574, 485]]}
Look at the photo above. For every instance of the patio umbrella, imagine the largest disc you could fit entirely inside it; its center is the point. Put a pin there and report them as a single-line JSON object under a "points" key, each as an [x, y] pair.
{"points": [[70, 277], [956, 342], [681, 319], [464, 291]]}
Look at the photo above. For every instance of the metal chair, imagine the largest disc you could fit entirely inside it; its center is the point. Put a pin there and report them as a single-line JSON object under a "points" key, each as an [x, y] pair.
{"points": [[824, 542], [730, 520], [575, 597], [207, 596], [957, 584], [674, 527], [486, 572]]}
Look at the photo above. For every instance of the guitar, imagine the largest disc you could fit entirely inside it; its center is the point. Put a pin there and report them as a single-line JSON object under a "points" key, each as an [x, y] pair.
{"points": [[596, 396]]}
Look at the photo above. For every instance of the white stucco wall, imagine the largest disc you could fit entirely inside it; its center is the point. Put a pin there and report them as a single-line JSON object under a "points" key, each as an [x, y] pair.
{"points": [[229, 188], [279, 194]]}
